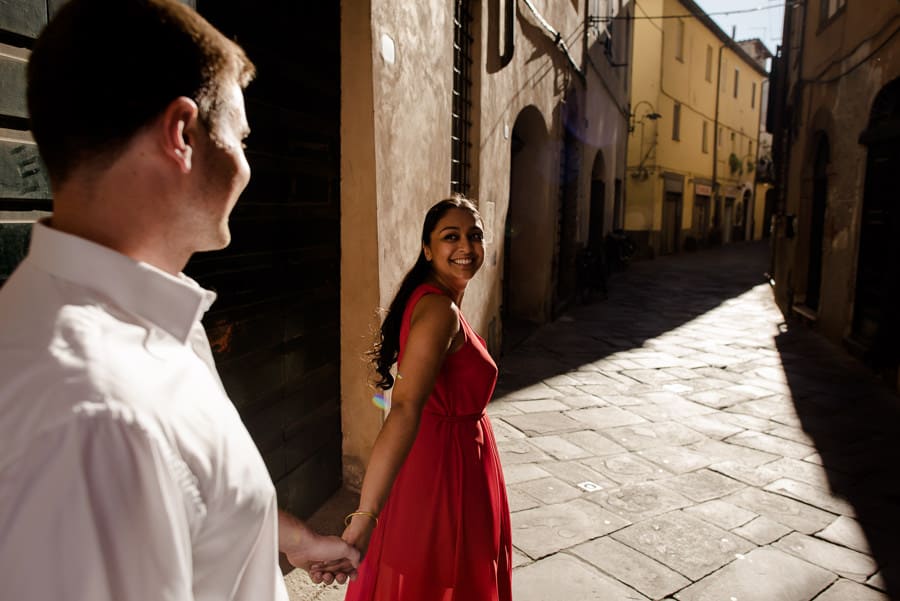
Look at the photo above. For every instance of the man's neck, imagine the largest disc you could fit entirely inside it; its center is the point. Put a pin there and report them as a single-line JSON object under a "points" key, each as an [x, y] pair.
{"points": [[121, 221]]}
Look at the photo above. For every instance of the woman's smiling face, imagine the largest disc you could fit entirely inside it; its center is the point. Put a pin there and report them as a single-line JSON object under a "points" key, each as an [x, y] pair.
{"points": [[456, 249]]}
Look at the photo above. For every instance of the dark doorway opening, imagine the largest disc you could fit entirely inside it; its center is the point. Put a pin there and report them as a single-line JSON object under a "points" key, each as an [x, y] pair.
{"points": [[565, 272], [876, 326], [700, 218], [274, 328], [671, 223], [817, 225]]}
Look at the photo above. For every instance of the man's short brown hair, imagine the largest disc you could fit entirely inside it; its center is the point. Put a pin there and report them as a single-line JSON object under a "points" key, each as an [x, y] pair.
{"points": [[103, 69]]}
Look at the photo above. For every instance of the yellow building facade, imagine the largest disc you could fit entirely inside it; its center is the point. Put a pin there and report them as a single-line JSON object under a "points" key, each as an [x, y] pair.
{"points": [[694, 139]]}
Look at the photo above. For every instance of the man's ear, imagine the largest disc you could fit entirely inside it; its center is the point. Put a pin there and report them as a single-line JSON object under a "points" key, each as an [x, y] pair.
{"points": [[178, 131]]}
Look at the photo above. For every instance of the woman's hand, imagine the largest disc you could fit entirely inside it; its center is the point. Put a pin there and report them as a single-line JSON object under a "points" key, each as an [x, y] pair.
{"points": [[358, 532]]}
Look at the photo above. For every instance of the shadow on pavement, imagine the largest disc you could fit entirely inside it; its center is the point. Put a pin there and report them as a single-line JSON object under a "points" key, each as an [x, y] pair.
{"points": [[650, 298], [854, 421]]}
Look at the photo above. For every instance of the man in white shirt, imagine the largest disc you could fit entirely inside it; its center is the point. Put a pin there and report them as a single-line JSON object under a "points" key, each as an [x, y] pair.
{"points": [[125, 471]]}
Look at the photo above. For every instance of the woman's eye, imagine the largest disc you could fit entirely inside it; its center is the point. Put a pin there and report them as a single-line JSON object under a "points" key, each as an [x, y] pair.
{"points": [[477, 237], [451, 237]]}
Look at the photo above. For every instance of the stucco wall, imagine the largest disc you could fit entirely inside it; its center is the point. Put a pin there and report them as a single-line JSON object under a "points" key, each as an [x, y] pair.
{"points": [[839, 110], [396, 146]]}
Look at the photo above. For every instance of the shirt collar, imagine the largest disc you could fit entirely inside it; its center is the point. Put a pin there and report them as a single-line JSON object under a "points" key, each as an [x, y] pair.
{"points": [[171, 303]]}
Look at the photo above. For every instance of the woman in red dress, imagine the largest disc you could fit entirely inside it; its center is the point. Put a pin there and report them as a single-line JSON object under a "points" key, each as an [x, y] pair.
{"points": [[433, 517]]}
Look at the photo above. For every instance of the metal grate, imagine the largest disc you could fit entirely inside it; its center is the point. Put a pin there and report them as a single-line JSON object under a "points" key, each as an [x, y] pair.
{"points": [[461, 143]]}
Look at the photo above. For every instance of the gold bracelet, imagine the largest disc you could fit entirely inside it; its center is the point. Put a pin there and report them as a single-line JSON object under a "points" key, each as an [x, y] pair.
{"points": [[359, 512]]}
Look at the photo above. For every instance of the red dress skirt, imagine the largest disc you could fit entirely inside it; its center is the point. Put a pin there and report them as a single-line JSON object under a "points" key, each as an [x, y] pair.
{"points": [[444, 532]]}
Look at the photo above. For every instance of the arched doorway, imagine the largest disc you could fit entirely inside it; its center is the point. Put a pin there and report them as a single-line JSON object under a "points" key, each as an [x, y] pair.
{"points": [[875, 320], [817, 224], [528, 242]]}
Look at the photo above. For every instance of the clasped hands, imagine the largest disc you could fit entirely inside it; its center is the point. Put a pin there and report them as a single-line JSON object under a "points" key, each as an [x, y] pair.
{"points": [[327, 559]]}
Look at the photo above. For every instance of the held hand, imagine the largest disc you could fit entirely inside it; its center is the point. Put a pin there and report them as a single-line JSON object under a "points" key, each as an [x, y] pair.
{"points": [[326, 558], [358, 532]]}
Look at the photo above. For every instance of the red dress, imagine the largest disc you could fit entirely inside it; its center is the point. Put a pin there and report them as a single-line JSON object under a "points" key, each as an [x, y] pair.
{"points": [[444, 532]]}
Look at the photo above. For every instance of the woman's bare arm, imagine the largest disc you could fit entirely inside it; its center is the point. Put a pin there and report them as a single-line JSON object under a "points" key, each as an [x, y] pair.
{"points": [[433, 332]]}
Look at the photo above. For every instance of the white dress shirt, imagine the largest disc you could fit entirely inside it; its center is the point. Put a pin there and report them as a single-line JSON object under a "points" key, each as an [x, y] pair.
{"points": [[126, 473]]}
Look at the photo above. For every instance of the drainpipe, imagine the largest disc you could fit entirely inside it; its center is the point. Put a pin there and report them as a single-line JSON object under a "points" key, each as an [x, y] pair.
{"points": [[509, 32], [716, 142]]}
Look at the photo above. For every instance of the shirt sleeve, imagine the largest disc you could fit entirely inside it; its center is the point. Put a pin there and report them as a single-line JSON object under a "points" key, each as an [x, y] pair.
{"points": [[95, 512]]}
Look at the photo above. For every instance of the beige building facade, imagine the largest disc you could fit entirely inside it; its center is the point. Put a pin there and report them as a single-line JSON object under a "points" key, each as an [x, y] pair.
{"points": [[521, 106], [692, 152], [835, 117]]}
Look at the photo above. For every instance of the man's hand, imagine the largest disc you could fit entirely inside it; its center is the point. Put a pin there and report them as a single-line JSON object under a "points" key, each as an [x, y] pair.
{"points": [[326, 558]]}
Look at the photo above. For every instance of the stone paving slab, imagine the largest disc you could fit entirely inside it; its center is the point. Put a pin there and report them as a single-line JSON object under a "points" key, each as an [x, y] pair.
{"points": [[563, 577], [649, 435], [551, 528], [762, 575], [813, 495], [626, 468], [519, 500], [522, 472], [877, 581], [539, 406], [604, 417], [711, 425], [638, 571], [840, 560], [771, 444], [575, 472], [520, 451], [703, 485], [802, 471], [623, 400], [596, 380], [504, 432], [551, 422], [576, 399], [636, 502], [498, 410], [791, 432], [720, 452], [549, 490], [718, 398], [687, 545], [559, 448], [847, 532], [676, 409], [594, 443], [758, 476], [721, 514], [762, 530], [846, 590], [676, 459], [528, 393], [791, 513]]}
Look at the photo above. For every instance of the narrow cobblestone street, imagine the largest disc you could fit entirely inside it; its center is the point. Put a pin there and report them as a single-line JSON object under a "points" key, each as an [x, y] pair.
{"points": [[679, 441]]}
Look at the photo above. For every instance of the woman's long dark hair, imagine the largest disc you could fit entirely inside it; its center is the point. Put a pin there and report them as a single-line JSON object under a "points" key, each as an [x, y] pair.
{"points": [[387, 348]]}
